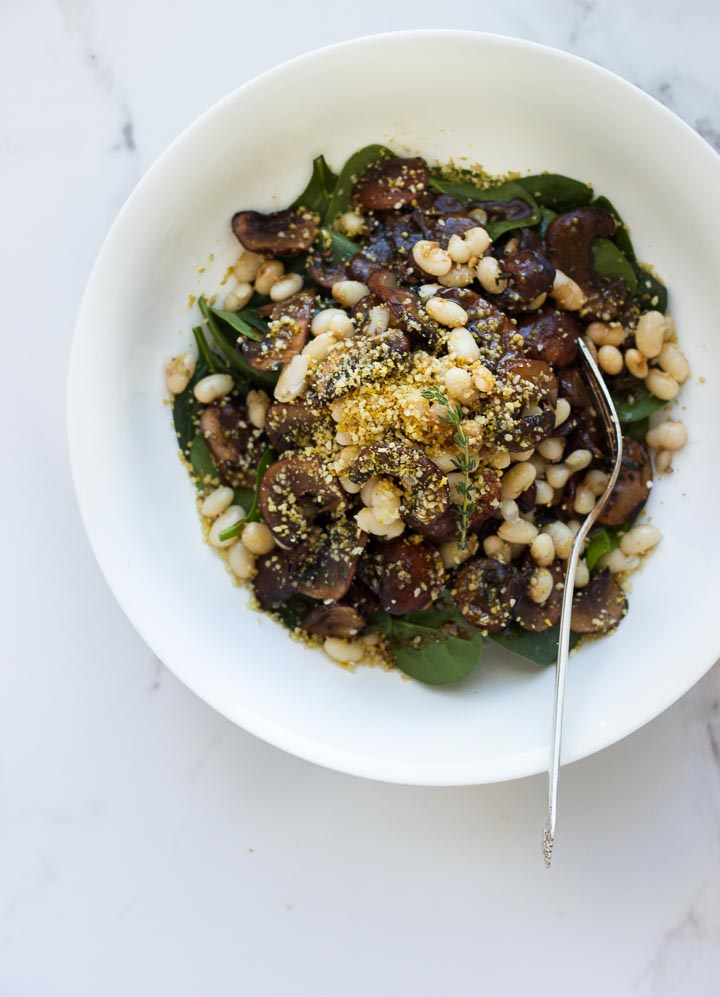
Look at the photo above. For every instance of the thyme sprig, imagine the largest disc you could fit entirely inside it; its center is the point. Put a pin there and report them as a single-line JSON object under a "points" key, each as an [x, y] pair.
{"points": [[465, 462]]}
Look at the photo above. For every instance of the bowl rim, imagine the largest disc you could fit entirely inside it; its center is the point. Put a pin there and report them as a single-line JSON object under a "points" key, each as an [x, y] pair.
{"points": [[515, 766]]}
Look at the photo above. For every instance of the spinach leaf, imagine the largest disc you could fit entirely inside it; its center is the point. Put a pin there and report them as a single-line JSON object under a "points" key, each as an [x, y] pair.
{"points": [[622, 236], [541, 648], [546, 216], [236, 322], [553, 190], [651, 293], [235, 359], [185, 407], [291, 613], [611, 262], [202, 462], [339, 201], [250, 317], [341, 248], [637, 430], [601, 541], [436, 646], [467, 191], [637, 406], [253, 513], [322, 182], [648, 291]]}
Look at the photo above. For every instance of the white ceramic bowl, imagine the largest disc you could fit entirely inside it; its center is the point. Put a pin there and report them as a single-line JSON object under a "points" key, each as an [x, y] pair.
{"points": [[509, 105]]}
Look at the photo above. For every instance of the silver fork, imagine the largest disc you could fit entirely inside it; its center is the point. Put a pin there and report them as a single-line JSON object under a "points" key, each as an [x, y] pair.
{"points": [[611, 424]]}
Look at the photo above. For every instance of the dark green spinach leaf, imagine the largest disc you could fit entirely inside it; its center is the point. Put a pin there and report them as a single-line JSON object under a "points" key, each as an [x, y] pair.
{"points": [[650, 293], [253, 513], [339, 201], [466, 191], [202, 462], [541, 649], [341, 248], [185, 407], [555, 191], [601, 541], [238, 324], [637, 406], [233, 356], [317, 194], [436, 646], [611, 262], [622, 236]]}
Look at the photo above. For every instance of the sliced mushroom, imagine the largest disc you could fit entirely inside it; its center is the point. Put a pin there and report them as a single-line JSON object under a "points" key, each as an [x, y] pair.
{"points": [[358, 360], [599, 607], [492, 329], [533, 390], [569, 240], [405, 305], [291, 425], [273, 584], [426, 497], [232, 440], [280, 233], [287, 333], [333, 621], [501, 211], [325, 564], [541, 617], [550, 335], [632, 488], [486, 592], [391, 183], [293, 493], [530, 275], [406, 574], [325, 273]]}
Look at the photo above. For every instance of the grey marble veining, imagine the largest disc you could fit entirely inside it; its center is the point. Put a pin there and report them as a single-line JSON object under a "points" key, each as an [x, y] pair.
{"points": [[149, 847]]}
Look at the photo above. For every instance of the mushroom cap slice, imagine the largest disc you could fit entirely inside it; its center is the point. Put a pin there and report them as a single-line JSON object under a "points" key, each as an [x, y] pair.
{"points": [[534, 386], [406, 307], [486, 592], [333, 621], [279, 233], [273, 584], [633, 485], [538, 617], [599, 607], [287, 333], [293, 492], [391, 183], [406, 574], [550, 335], [232, 440], [358, 360], [426, 496], [530, 275], [290, 425], [325, 564]]}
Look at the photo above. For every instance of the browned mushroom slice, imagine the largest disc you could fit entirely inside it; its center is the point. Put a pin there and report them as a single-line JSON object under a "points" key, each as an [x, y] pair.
{"points": [[358, 360], [280, 233], [584, 426], [598, 607], [287, 333], [539, 617], [406, 574], [233, 441], [294, 491], [486, 592], [391, 183], [534, 390], [633, 485], [550, 335], [492, 329], [530, 275], [501, 211], [290, 426], [325, 273], [325, 565], [426, 497], [273, 584], [405, 305], [569, 240], [333, 621]]}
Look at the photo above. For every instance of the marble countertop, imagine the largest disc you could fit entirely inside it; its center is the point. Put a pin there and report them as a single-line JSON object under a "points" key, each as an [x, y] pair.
{"points": [[147, 846]]}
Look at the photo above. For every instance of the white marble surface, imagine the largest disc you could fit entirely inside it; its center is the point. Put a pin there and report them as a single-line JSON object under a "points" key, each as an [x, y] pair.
{"points": [[148, 847]]}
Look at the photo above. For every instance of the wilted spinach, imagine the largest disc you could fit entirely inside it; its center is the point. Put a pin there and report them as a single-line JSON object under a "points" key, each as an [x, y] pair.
{"points": [[609, 261], [253, 513], [466, 191], [317, 194], [339, 199], [557, 192], [540, 648], [435, 646], [637, 406], [233, 356]]}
